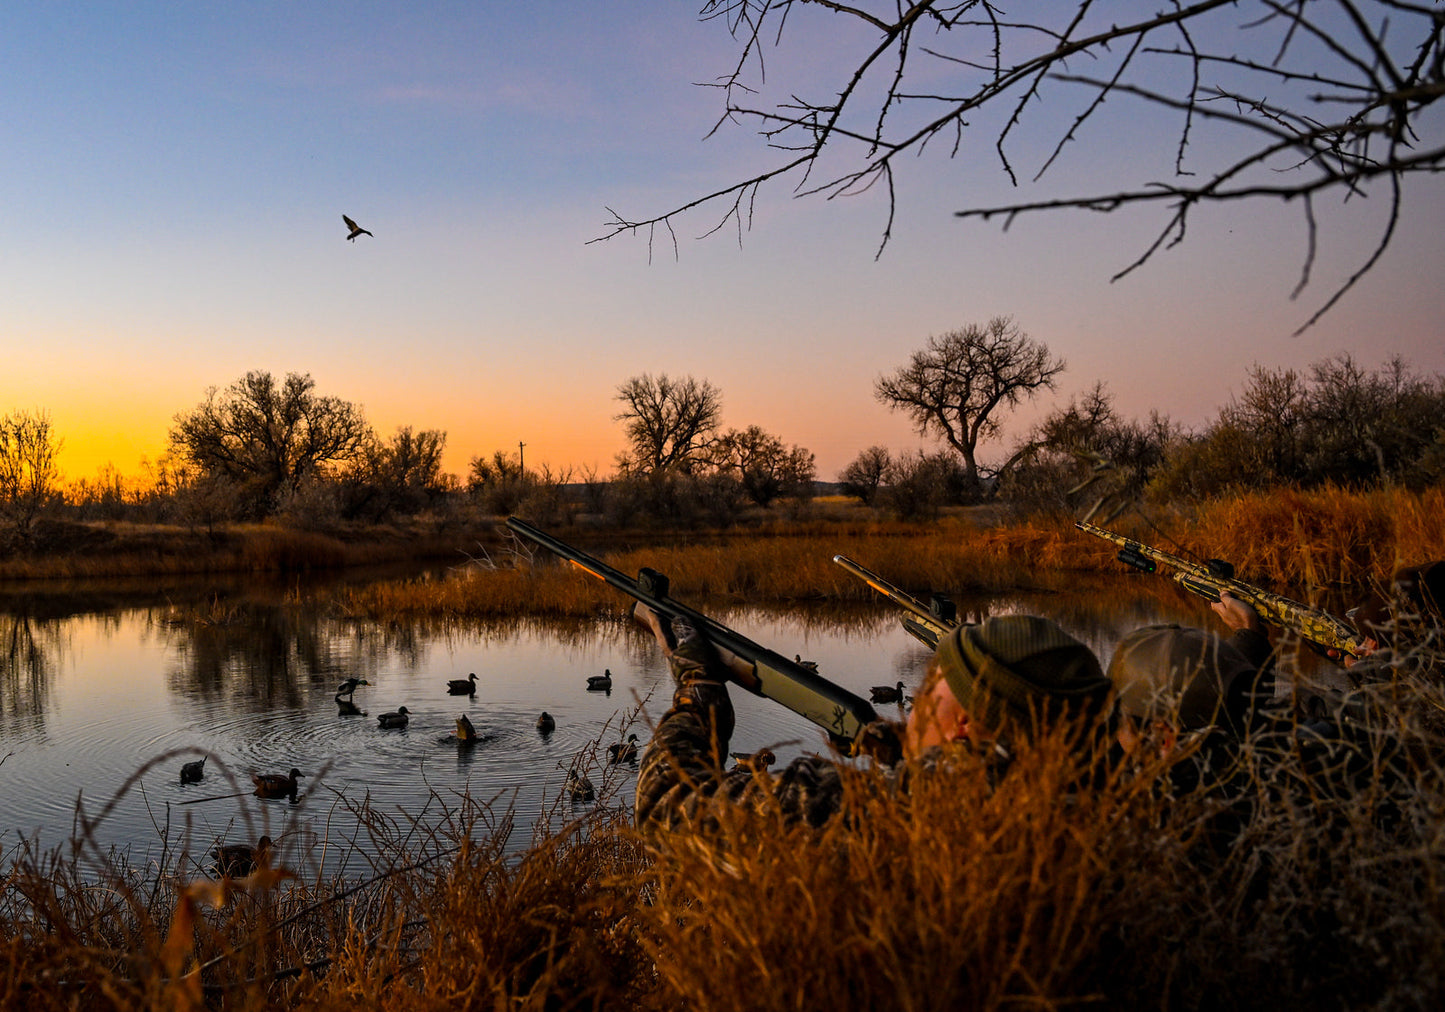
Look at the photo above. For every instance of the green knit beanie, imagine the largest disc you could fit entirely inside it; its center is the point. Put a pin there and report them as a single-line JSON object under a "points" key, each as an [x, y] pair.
{"points": [[1018, 668]]}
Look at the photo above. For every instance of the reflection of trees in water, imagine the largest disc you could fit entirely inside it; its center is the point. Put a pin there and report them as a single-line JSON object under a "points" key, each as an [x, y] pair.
{"points": [[277, 653], [30, 652], [272, 653]]}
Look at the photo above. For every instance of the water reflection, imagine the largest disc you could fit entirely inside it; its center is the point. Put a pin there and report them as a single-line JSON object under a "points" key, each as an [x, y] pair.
{"points": [[249, 679]]}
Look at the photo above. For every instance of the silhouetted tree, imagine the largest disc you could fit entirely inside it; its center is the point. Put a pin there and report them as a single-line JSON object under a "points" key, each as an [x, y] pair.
{"points": [[28, 471], [865, 474], [955, 386], [400, 476], [266, 438], [764, 465], [1267, 100], [670, 423]]}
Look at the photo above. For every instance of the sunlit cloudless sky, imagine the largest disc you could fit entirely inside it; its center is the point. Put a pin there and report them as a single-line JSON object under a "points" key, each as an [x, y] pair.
{"points": [[174, 176]]}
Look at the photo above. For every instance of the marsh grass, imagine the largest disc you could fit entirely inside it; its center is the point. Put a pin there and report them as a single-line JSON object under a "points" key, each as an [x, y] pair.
{"points": [[1061, 883], [1306, 545]]}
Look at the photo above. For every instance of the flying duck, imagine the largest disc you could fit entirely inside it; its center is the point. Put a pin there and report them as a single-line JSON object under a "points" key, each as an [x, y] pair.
{"points": [[463, 686], [274, 785], [545, 723], [192, 772], [601, 682], [237, 859], [394, 718], [887, 693], [623, 751], [356, 229]]}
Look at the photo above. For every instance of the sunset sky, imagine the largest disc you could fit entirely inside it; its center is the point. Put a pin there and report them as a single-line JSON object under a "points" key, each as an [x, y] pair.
{"points": [[174, 177]]}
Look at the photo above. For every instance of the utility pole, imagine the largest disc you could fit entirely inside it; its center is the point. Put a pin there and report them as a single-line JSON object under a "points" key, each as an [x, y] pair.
{"points": [[521, 460]]}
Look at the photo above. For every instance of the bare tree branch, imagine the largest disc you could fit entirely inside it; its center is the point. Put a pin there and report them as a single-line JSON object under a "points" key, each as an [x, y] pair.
{"points": [[1277, 99]]}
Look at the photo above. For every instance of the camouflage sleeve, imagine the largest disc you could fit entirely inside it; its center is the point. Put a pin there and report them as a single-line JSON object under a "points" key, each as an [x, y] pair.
{"points": [[683, 767]]}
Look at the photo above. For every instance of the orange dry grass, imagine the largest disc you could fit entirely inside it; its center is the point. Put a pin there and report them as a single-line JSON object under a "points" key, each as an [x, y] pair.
{"points": [[1054, 886]]}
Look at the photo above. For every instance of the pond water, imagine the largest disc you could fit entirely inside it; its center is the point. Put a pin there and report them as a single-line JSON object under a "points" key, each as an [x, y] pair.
{"points": [[103, 698]]}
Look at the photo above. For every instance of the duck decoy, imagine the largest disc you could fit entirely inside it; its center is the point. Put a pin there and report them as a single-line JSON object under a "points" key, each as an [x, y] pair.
{"points": [[579, 788], [394, 718], [465, 731], [348, 687], [545, 723], [463, 686], [356, 229], [623, 751], [756, 762], [887, 693], [237, 859], [192, 772], [810, 665], [274, 785], [601, 682]]}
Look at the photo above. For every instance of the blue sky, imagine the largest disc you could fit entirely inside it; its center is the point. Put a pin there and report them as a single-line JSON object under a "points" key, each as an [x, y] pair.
{"points": [[174, 178]]}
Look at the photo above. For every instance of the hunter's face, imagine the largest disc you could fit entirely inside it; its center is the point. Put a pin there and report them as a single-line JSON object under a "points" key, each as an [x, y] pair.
{"points": [[937, 716]]}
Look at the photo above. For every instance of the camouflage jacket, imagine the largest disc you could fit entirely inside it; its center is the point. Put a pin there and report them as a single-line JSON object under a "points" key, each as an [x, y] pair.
{"points": [[683, 769]]}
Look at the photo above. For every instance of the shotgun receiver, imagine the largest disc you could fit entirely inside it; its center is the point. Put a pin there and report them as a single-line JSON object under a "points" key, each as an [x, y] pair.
{"points": [[1207, 580], [927, 623], [837, 711]]}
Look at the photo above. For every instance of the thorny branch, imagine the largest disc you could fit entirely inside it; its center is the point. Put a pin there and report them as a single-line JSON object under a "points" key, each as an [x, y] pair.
{"points": [[1273, 99]]}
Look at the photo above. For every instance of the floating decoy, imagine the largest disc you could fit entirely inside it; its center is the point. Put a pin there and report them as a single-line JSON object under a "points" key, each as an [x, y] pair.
{"points": [[274, 785], [192, 772], [347, 687], [356, 229], [237, 859], [545, 723], [623, 751], [810, 665], [346, 708], [465, 730], [887, 693], [602, 681], [463, 686], [394, 718], [579, 788], [756, 762]]}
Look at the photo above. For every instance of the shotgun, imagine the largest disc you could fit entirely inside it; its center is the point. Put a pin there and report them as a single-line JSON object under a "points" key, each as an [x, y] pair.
{"points": [[928, 623], [844, 716], [1207, 580]]}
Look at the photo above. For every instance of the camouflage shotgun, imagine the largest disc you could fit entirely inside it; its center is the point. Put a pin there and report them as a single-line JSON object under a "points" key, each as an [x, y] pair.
{"points": [[1207, 580], [840, 713], [928, 623]]}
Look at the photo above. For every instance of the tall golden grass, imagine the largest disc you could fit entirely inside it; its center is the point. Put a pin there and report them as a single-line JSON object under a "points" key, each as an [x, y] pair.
{"points": [[1293, 542], [1061, 885]]}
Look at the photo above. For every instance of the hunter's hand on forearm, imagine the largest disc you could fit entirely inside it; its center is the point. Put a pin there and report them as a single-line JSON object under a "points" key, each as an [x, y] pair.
{"points": [[1235, 613]]}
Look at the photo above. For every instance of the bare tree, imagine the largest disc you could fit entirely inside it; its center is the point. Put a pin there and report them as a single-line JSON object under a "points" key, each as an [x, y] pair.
{"points": [[267, 438], [954, 388], [1273, 99], [865, 474], [766, 467], [28, 471], [670, 423]]}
